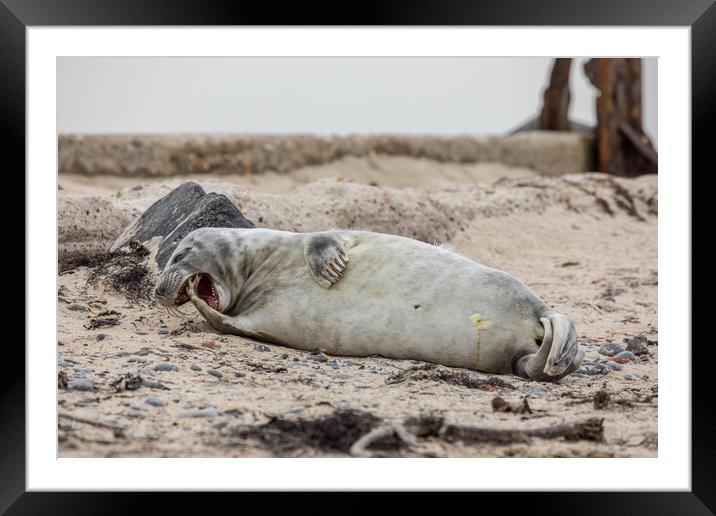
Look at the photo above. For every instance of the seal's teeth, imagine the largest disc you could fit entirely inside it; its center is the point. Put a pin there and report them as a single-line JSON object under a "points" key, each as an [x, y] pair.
{"points": [[336, 268], [325, 275]]}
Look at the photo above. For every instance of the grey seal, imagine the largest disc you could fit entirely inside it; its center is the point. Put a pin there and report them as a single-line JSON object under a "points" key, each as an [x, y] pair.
{"points": [[362, 293]]}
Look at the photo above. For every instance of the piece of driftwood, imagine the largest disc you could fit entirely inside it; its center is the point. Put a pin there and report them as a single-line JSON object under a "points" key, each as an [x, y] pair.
{"points": [[622, 147], [591, 429], [117, 430], [555, 100]]}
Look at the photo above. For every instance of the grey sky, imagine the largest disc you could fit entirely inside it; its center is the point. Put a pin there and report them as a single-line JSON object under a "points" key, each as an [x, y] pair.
{"points": [[315, 95]]}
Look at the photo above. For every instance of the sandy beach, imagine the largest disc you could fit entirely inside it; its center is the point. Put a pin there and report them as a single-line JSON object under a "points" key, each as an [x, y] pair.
{"points": [[135, 381]]}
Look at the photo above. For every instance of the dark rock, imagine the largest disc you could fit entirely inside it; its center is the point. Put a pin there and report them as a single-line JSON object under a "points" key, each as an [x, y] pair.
{"points": [[216, 373], [100, 337], [626, 355], [163, 216], [317, 356], [637, 345], [211, 211], [154, 385], [614, 366], [594, 369], [261, 348], [609, 349], [195, 367], [77, 307], [81, 384], [629, 377], [166, 366]]}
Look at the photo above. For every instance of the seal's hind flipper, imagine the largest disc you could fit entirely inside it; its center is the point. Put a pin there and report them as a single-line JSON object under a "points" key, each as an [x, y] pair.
{"points": [[326, 258]]}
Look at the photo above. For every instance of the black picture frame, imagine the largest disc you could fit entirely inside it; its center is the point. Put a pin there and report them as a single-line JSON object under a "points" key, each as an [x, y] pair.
{"points": [[700, 15]]}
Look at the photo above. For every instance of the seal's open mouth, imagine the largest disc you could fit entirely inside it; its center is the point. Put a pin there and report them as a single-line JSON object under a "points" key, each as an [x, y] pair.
{"points": [[204, 290]]}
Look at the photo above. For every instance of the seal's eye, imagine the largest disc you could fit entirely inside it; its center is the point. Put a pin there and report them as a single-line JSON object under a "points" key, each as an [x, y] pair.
{"points": [[179, 257]]}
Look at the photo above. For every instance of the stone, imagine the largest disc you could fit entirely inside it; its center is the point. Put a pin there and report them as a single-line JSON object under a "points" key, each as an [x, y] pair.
{"points": [[211, 211], [166, 366], [614, 366], [626, 355], [156, 402], [594, 369], [162, 217], [216, 373], [609, 349], [81, 384], [637, 345]]}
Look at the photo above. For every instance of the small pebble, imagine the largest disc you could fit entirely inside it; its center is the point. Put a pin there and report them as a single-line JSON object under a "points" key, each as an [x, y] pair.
{"points": [[157, 402], [261, 348], [205, 412], [655, 388], [626, 355], [77, 307], [214, 372], [135, 413], [166, 366], [81, 384], [237, 374], [221, 424], [629, 377], [83, 370], [614, 366], [637, 345], [64, 363], [297, 410], [537, 390], [609, 349], [594, 369], [153, 385], [141, 333], [100, 336], [284, 356], [318, 357], [163, 332], [195, 367]]}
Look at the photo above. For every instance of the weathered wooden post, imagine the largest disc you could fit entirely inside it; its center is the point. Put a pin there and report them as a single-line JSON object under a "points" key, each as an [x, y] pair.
{"points": [[555, 101], [622, 147]]}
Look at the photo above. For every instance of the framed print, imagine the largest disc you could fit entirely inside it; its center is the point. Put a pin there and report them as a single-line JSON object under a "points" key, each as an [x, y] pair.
{"points": [[423, 249]]}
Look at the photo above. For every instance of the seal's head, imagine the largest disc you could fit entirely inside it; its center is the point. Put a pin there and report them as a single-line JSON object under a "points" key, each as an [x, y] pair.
{"points": [[196, 263]]}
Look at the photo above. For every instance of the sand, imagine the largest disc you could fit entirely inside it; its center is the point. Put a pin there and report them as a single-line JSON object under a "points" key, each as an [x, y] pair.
{"points": [[585, 243]]}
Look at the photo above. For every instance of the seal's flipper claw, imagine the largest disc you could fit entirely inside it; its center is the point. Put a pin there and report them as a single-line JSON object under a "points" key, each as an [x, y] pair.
{"points": [[326, 258], [559, 353]]}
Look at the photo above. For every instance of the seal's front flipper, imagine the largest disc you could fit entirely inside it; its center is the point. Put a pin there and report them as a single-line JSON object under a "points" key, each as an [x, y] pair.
{"points": [[326, 259]]}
